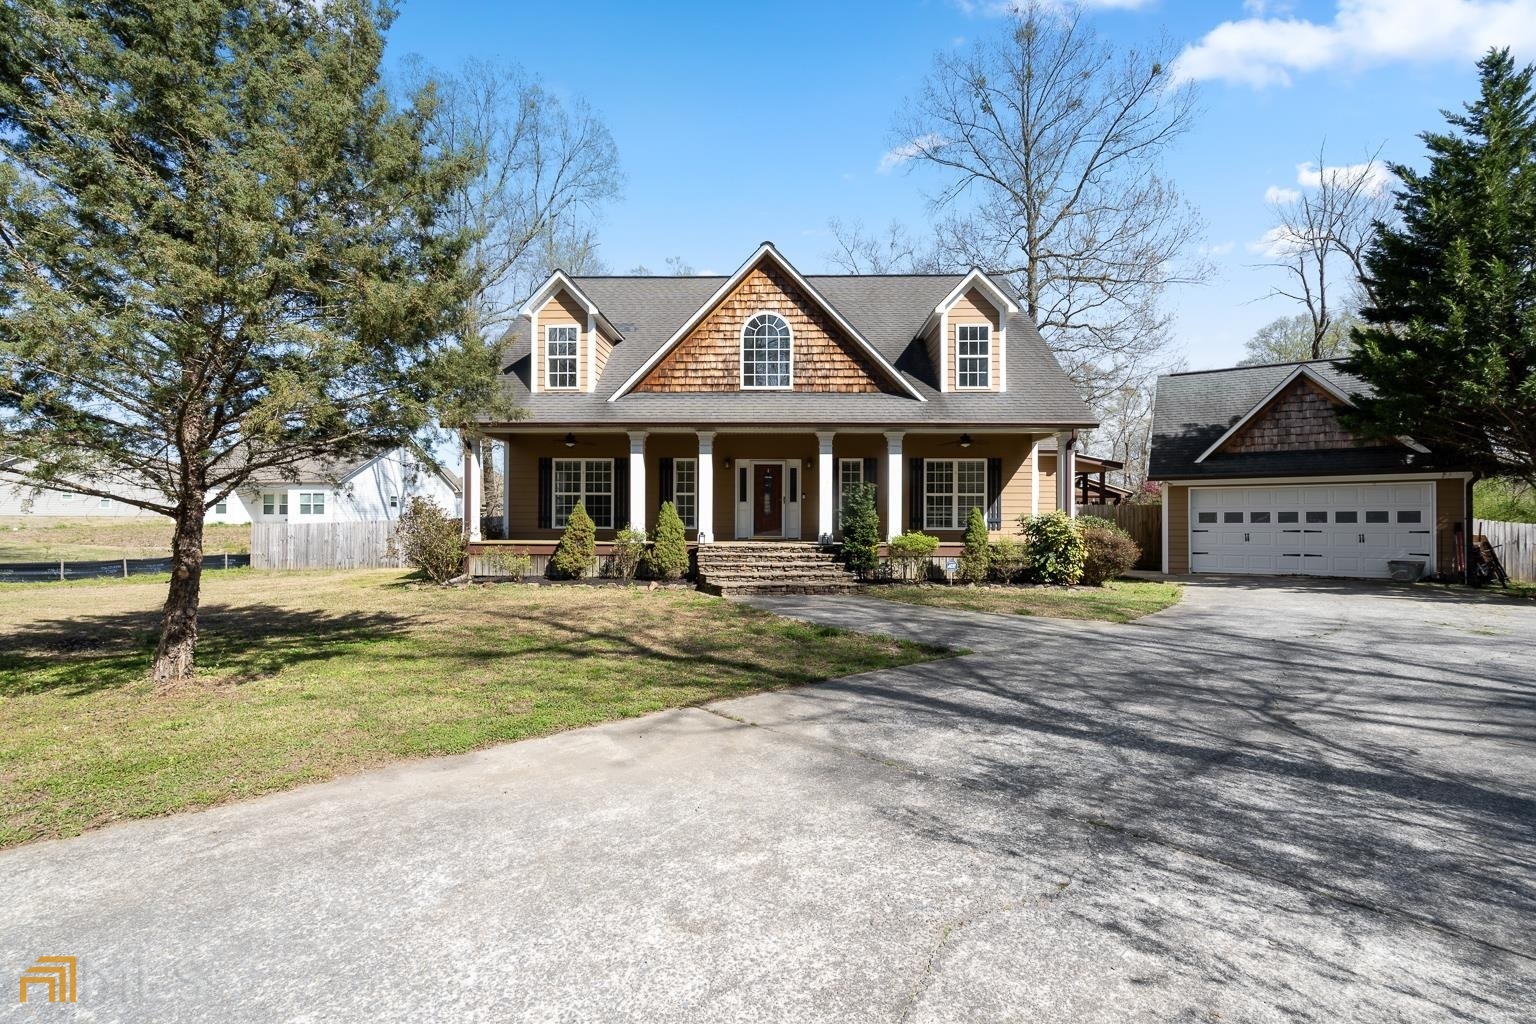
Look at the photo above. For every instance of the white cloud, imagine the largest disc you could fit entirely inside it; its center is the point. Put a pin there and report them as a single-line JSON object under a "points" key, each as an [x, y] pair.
{"points": [[1375, 176], [1263, 51], [1217, 249], [1276, 195], [895, 157], [1276, 243]]}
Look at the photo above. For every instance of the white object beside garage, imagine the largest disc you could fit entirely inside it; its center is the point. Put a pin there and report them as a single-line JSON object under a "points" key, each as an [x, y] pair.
{"points": [[1312, 530]]}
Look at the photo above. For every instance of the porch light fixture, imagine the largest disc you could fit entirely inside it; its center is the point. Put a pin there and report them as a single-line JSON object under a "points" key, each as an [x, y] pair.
{"points": [[965, 440], [727, 462], [570, 440]]}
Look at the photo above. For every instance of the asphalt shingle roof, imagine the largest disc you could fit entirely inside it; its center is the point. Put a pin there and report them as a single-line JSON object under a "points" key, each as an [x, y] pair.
{"points": [[1192, 410], [888, 310]]}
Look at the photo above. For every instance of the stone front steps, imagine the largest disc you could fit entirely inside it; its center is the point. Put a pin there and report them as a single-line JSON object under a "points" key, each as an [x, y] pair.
{"points": [[764, 567]]}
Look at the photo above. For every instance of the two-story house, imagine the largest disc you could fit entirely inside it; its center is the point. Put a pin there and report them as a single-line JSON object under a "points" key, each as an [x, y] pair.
{"points": [[752, 401]]}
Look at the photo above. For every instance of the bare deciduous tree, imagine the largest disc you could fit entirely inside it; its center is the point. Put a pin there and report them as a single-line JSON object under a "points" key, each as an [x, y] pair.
{"points": [[1050, 141], [858, 251], [1319, 240], [550, 165]]}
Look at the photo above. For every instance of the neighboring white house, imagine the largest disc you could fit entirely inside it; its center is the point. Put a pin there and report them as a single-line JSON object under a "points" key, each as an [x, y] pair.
{"points": [[313, 492]]}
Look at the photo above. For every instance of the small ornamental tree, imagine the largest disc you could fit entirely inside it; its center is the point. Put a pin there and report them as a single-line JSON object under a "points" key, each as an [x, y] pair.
{"points": [[976, 554], [429, 539], [577, 548], [668, 557], [861, 530], [1055, 548]]}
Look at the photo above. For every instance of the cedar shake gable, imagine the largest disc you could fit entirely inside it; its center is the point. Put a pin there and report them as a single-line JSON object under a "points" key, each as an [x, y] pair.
{"points": [[825, 358], [828, 352], [1304, 416]]}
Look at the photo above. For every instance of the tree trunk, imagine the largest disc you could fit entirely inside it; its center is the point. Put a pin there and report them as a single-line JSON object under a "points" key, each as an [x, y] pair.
{"points": [[178, 623]]}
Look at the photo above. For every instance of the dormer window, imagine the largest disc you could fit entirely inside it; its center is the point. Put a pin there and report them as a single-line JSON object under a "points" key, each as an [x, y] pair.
{"points": [[560, 356], [765, 352], [973, 356]]}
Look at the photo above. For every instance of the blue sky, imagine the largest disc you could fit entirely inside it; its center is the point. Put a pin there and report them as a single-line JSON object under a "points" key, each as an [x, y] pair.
{"points": [[739, 123]]}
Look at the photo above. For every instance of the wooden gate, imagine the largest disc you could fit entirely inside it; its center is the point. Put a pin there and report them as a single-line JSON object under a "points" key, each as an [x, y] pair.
{"points": [[1514, 543]]}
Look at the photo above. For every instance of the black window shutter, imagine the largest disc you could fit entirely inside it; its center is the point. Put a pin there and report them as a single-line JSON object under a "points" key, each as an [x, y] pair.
{"points": [[620, 493], [872, 471], [546, 493], [837, 492], [915, 496], [994, 494], [664, 467]]}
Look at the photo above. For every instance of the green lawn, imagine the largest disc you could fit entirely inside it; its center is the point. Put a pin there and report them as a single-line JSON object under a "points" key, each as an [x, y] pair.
{"points": [[42, 539], [310, 675], [1117, 601]]}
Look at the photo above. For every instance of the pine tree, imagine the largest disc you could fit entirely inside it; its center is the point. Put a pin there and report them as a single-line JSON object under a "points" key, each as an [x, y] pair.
{"points": [[576, 549], [668, 557], [1450, 343], [975, 552], [222, 252]]}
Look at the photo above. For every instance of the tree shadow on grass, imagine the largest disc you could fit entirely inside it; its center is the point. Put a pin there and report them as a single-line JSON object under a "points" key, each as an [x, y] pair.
{"points": [[85, 654]]}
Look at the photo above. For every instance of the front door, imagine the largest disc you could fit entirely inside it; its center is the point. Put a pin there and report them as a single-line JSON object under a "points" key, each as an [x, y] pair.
{"points": [[768, 498]]}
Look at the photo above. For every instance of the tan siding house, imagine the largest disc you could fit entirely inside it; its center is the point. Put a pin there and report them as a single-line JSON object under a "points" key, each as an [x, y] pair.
{"points": [[752, 401]]}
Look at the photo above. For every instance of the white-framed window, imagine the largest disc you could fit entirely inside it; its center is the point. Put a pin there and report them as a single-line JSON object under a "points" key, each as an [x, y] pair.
{"points": [[766, 360], [221, 507], [951, 488], [66, 495], [311, 503], [973, 356], [850, 473], [685, 491], [394, 501], [274, 504], [103, 502], [585, 482], [560, 356]]}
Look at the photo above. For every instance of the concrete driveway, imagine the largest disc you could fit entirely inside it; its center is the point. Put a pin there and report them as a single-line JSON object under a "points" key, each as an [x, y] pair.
{"points": [[1275, 802]]}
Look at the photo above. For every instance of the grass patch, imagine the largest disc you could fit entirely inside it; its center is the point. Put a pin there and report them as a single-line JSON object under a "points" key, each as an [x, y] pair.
{"points": [[1116, 601], [310, 675], [45, 539]]}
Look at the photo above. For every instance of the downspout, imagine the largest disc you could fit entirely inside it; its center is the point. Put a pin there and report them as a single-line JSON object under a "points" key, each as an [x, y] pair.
{"points": [[1466, 533]]}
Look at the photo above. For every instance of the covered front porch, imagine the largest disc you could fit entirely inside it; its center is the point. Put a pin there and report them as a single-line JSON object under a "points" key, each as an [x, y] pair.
{"points": [[758, 483]]}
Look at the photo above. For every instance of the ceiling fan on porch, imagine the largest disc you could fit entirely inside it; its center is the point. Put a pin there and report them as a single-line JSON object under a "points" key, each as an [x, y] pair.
{"points": [[570, 441], [963, 441]]}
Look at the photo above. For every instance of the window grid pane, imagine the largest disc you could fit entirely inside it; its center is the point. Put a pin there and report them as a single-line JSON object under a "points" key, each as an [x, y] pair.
{"points": [[585, 482], [765, 357], [850, 473], [560, 356], [973, 362], [685, 483]]}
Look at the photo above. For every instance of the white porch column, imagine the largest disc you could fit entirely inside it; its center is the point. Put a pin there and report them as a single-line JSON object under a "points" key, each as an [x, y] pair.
{"points": [[894, 475], [472, 487], [638, 517], [1066, 473], [704, 499], [506, 488], [826, 485]]}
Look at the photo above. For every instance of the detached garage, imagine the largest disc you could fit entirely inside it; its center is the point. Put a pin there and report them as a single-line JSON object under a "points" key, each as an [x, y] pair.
{"points": [[1259, 476]]}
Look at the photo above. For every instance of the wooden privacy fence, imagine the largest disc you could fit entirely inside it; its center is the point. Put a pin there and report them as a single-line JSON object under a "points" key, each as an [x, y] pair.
{"points": [[1514, 543], [359, 545], [1143, 522]]}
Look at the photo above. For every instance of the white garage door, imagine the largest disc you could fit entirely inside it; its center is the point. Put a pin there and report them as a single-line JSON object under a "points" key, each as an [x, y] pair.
{"points": [[1311, 530]]}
